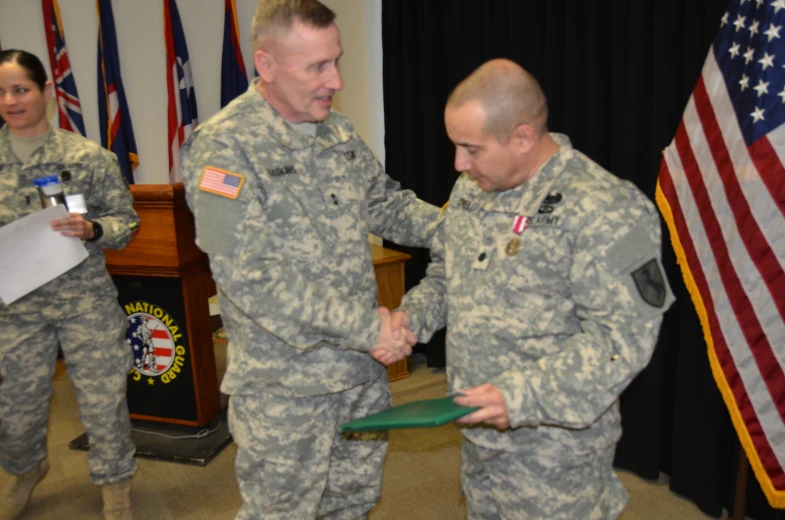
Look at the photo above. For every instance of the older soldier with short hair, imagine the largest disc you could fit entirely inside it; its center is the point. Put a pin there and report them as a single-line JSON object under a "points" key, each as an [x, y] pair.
{"points": [[550, 268], [284, 194]]}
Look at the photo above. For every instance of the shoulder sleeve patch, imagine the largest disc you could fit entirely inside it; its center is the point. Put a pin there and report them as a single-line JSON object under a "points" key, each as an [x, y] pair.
{"points": [[650, 283], [221, 182]]}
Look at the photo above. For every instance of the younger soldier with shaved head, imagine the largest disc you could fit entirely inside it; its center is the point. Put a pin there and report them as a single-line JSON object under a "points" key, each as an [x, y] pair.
{"points": [[547, 272], [284, 194]]}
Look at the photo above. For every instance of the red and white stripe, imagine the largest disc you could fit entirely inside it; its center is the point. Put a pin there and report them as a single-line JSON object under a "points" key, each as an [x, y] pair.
{"points": [[162, 348], [178, 132], [726, 203], [520, 224], [114, 115]]}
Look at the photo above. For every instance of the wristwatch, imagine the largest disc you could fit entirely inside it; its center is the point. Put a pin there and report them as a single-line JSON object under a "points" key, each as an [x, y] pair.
{"points": [[98, 231]]}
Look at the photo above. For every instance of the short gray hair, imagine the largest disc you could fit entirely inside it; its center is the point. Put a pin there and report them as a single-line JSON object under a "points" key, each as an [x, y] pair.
{"points": [[509, 95], [275, 16]]}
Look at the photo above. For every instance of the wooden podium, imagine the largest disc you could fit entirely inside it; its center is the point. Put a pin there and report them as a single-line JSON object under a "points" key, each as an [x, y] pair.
{"points": [[164, 283], [388, 265]]}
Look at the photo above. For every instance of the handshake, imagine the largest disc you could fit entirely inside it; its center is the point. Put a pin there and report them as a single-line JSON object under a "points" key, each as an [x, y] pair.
{"points": [[395, 340]]}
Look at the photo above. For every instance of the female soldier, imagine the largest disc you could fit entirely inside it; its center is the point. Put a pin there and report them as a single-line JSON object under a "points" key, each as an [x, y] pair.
{"points": [[77, 310]]}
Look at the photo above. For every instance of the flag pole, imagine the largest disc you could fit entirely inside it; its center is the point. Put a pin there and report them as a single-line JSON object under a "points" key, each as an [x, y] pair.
{"points": [[742, 476]]}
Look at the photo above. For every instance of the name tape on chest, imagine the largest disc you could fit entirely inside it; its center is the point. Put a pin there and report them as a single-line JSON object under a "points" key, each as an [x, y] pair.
{"points": [[544, 221], [221, 182], [467, 205], [283, 170]]}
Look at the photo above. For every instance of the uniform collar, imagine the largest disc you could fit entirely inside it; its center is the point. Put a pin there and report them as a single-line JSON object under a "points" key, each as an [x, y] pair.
{"points": [[525, 199], [53, 149], [332, 131], [6, 155]]}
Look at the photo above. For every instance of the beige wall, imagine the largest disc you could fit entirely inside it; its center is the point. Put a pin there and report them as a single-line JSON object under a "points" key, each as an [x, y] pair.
{"points": [[142, 57], [360, 24]]}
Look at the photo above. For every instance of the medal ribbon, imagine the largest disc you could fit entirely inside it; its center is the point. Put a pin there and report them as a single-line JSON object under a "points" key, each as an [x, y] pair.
{"points": [[520, 224]]}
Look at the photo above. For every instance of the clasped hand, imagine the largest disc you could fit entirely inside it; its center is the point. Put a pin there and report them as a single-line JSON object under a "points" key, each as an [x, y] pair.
{"points": [[74, 225], [395, 339]]}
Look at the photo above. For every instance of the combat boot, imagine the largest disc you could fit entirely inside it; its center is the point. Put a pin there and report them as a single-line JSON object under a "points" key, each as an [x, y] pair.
{"points": [[15, 496], [117, 500]]}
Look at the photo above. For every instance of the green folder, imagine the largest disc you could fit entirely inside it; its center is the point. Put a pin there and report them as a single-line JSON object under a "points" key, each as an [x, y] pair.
{"points": [[417, 414]]}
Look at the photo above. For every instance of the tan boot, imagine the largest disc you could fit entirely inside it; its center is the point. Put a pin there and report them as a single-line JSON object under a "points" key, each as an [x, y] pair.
{"points": [[117, 500], [15, 496]]}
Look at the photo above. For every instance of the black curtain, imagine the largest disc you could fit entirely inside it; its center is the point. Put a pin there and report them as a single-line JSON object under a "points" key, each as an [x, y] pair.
{"points": [[617, 74]]}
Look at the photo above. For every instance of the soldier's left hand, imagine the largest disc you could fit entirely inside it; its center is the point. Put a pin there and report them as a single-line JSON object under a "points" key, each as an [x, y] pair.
{"points": [[74, 225], [493, 409]]}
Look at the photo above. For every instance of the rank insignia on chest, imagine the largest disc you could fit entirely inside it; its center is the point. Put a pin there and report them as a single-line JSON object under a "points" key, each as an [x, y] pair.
{"points": [[350, 155], [513, 246]]}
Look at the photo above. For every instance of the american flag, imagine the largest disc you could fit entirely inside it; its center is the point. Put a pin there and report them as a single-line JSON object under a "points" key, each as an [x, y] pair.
{"points": [[222, 183], [117, 131], [68, 106], [234, 80], [183, 117], [721, 190]]}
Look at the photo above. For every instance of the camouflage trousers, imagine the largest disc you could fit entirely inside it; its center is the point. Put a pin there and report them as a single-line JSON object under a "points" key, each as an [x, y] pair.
{"points": [[91, 334], [294, 464], [519, 486]]}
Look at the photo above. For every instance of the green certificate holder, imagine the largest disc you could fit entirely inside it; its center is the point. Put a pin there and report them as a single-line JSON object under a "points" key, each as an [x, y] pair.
{"points": [[417, 414]]}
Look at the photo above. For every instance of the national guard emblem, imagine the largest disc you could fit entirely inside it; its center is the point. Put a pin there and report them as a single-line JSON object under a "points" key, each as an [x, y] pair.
{"points": [[151, 343], [153, 336]]}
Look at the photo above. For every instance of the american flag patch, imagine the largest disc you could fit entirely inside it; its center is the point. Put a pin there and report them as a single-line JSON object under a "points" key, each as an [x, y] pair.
{"points": [[220, 182]]}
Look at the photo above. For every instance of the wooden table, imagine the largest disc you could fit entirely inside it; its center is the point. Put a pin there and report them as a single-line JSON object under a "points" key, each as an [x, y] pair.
{"points": [[388, 265]]}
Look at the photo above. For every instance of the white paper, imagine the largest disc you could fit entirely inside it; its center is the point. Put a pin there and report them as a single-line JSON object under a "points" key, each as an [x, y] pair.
{"points": [[32, 253]]}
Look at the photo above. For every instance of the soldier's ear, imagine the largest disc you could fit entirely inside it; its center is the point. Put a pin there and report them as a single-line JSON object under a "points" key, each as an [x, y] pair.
{"points": [[49, 90], [265, 65], [523, 138]]}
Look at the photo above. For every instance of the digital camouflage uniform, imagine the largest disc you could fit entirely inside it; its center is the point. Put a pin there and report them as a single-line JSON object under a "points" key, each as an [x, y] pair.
{"points": [[78, 310], [291, 259], [560, 317]]}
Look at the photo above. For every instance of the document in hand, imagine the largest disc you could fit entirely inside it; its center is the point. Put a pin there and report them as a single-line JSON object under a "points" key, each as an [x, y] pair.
{"points": [[32, 253], [417, 414]]}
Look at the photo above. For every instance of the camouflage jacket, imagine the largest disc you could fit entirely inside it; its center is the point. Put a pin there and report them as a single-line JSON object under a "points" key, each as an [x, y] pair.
{"points": [[560, 308], [91, 171], [284, 218]]}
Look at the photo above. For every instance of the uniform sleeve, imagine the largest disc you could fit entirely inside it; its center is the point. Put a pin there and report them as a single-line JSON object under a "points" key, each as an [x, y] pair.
{"points": [[620, 292], [426, 303], [258, 280], [113, 204], [398, 215]]}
